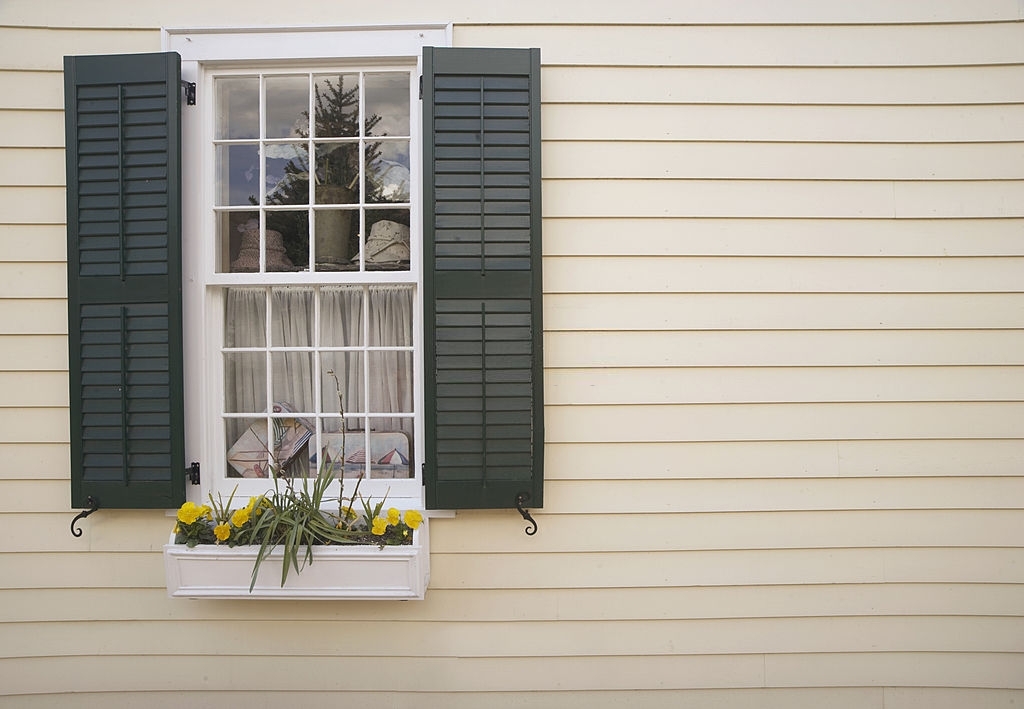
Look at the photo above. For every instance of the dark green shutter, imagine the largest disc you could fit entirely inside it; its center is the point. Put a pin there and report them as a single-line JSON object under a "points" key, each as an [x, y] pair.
{"points": [[123, 135], [482, 278]]}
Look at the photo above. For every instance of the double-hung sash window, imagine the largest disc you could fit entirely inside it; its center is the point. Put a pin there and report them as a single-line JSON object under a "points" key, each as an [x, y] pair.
{"points": [[332, 259], [312, 260]]}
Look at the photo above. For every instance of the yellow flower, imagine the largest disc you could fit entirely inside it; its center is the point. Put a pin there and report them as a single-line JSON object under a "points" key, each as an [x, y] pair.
{"points": [[222, 532], [206, 512], [190, 512], [413, 518], [380, 525], [240, 517], [347, 513], [394, 516]]}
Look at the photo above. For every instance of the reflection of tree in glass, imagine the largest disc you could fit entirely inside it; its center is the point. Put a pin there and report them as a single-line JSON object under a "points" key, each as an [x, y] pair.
{"points": [[336, 168]]}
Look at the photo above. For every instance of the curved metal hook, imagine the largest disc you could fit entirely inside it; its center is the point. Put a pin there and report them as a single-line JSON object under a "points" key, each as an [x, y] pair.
{"points": [[521, 499], [94, 505]]}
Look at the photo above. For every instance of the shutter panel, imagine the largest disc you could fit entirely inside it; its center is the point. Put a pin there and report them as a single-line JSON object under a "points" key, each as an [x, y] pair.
{"points": [[123, 149], [482, 278]]}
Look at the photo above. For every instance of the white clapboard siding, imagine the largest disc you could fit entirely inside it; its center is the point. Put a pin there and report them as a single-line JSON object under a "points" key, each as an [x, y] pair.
{"points": [[784, 459], [654, 159], [32, 90], [783, 85], [727, 236], [673, 44], [690, 310], [784, 326]]}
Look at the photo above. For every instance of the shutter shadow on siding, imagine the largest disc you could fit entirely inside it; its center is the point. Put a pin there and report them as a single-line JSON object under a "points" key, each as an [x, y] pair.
{"points": [[482, 278], [123, 131]]}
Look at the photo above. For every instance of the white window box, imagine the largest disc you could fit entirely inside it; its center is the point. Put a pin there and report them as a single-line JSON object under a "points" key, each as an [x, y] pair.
{"points": [[344, 571]]}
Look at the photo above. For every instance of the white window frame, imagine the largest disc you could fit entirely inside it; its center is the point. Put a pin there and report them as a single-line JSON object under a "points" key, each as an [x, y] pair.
{"points": [[202, 52]]}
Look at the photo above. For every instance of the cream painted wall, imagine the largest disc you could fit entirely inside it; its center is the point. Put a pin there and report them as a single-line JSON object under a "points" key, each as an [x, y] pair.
{"points": [[784, 249]]}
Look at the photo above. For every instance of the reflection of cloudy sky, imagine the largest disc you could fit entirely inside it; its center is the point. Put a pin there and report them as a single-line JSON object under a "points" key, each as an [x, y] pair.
{"points": [[385, 94]]}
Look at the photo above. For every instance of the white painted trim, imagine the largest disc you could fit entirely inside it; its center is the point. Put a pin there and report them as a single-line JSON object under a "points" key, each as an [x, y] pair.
{"points": [[203, 49]]}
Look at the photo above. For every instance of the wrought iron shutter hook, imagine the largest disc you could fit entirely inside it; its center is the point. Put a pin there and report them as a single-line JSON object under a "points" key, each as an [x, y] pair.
{"points": [[521, 499], [94, 505]]}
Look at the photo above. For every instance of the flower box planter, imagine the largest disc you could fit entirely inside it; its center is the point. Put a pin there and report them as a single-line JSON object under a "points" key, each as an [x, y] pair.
{"points": [[337, 571]]}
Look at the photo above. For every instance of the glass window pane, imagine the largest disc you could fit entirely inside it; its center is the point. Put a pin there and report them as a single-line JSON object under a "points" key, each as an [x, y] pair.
{"points": [[293, 228], [247, 448], [387, 171], [245, 382], [347, 368], [237, 175], [237, 107], [287, 106], [391, 317], [245, 317], [337, 173], [390, 384], [292, 380], [387, 98], [287, 180], [239, 244], [337, 239], [291, 317], [341, 319], [336, 105], [387, 247]]}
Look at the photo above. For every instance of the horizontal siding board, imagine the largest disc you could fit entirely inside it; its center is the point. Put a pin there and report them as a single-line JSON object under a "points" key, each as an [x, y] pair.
{"points": [[790, 199], [889, 85], [30, 316], [801, 494], [782, 237], [726, 568], [32, 205], [31, 90], [36, 461], [39, 353], [655, 698], [994, 535], [575, 604], [31, 166], [786, 459], [569, 387], [580, 159], [886, 670], [34, 389], [511, 605], [574, 638], [618, 311], [813, 348], [752, 45], [784, 422], [947, 698], [149, 672], [33, 242], [33, 280], [34, 425], [31, 129], [31, 48], [777, 123], [696, 274], [530, 12]]}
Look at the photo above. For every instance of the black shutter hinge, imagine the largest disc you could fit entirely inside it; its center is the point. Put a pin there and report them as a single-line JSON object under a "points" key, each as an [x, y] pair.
{"points": [[421, 87], [190, 92], [193, 473]]}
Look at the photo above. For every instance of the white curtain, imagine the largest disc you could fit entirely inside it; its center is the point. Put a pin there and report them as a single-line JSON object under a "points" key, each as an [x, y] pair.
{"points": [[372, 381]]}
